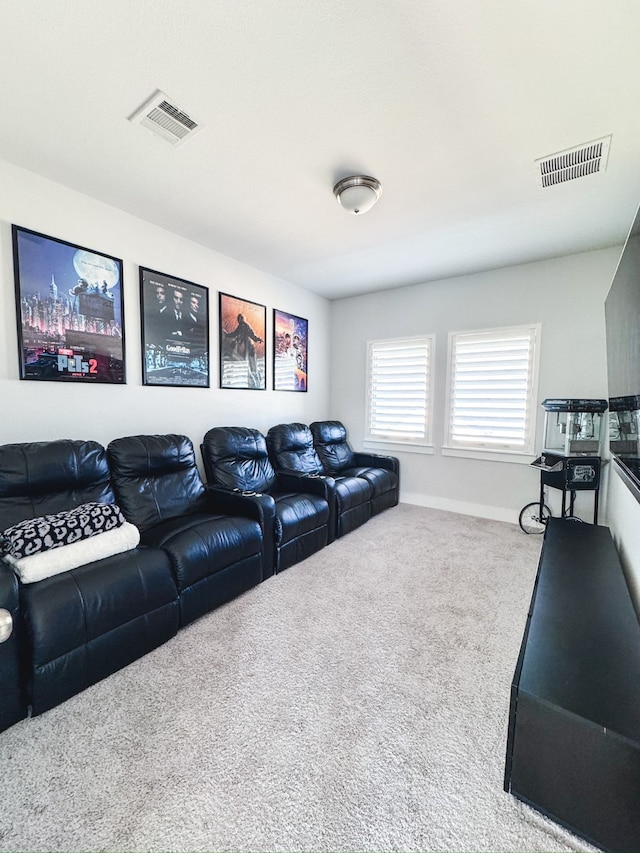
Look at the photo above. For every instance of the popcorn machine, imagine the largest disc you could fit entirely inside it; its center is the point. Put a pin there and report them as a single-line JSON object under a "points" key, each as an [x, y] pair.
{"points": [[570, 459], [573, 427]]}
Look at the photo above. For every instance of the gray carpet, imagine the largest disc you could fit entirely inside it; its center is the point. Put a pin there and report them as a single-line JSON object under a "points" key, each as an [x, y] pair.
{"points": [[356, 702]]}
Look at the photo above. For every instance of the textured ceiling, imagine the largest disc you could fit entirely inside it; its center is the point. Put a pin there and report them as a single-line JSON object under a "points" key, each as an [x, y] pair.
{"points": [[447, 102]]}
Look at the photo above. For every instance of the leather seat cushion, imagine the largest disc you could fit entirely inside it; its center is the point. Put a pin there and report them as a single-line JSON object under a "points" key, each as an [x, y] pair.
{"points": [[379, 479], [352, 492], [201, 545], [67, 611], [297, 514]]}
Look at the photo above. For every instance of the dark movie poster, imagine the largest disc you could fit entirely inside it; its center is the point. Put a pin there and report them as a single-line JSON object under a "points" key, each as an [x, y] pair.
{"points": [[175, 331], [243, 328], [69, 311], [290, 341]]}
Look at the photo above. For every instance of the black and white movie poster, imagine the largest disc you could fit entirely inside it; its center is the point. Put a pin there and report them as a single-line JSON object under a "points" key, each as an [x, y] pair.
{"points": [[175, 330], [69, 311]]}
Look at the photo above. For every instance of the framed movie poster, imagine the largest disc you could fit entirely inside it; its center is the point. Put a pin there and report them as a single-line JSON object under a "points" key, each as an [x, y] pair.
{"points": [[290, 337], [69, 310], [243, 327], [175, 330]]}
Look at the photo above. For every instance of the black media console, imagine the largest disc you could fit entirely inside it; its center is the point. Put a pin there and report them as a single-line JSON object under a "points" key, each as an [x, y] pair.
{"points": [[573, 748]]}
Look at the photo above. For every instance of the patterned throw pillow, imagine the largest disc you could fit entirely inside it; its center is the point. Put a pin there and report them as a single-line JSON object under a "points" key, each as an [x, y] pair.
{"points": [[51, 531]]}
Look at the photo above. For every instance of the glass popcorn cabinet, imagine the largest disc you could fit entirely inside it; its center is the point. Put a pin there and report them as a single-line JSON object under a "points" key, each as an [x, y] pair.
{"points": [[573, 427]]}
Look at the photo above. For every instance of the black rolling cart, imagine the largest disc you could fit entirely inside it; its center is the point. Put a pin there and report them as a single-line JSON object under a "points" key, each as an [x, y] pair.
{"points": [[570, 460], [570, 474]]}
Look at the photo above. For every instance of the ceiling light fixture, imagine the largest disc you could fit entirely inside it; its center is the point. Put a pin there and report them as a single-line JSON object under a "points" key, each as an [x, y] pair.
{"points": [[358, 193]]}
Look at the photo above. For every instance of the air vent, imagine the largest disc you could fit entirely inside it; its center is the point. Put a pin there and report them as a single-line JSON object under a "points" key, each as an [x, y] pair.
{"points": [[573, 163], [166, 120]]}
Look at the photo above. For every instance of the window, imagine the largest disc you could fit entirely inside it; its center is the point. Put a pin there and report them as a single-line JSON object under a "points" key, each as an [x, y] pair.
{"points": [[492, 389], [399, 390]]}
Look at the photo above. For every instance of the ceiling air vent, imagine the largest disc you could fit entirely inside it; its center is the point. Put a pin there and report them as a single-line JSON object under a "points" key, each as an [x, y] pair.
{"points": [[166, 120], [573, 163]]}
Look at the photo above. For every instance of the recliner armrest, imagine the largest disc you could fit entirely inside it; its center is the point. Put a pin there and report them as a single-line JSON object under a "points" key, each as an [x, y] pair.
{"points": [[376, 460], [318, 485], [260, 507], [9, 598], [12, 687], [321, 485]]}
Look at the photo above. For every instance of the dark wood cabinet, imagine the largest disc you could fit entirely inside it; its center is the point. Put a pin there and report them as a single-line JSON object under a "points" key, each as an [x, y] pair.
{"points": [[573, 749]]}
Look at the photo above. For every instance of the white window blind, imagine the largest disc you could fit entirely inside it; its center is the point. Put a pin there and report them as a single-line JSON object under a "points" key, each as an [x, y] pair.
{"points": [[492, 380], [399, 387]]}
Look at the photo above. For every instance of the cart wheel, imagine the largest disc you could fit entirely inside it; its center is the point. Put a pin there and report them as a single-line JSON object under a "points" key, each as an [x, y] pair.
{"points": [[532, 520]]}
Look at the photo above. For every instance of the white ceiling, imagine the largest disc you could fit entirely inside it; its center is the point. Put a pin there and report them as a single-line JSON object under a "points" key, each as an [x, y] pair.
{"points": [[447, 102]]}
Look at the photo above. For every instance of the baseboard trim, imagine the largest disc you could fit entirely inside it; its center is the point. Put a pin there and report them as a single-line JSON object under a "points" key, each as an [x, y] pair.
{"points": [[494, 513]]}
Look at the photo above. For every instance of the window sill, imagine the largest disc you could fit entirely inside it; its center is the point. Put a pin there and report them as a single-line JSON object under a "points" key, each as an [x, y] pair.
{"points": [[515, 456], [397, 447]]}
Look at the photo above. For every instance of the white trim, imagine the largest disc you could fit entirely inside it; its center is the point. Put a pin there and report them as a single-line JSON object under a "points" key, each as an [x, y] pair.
{"points": [[493, 513], [516, 456], [397, 447]]}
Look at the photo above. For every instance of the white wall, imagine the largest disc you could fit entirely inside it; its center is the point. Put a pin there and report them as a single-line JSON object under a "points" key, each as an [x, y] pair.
{"points": [[623, 517], [34, 411], [566, 295]]}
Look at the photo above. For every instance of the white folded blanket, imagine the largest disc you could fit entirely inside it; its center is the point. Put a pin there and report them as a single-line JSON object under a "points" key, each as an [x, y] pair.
{"points": [[45, 564]]}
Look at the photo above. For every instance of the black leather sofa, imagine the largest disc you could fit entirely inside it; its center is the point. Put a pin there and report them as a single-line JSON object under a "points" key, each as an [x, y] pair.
{"points": [[196, 546], [294, 510], [74, 628], [359, 485], [214, 555], [339, 460]]}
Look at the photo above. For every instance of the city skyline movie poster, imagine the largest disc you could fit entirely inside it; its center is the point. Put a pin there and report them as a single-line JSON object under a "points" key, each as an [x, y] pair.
{"points": [[175, 331], [69, 311], [290, 341]]}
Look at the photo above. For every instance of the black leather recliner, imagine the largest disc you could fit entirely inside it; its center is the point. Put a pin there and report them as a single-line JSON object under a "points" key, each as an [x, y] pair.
{"points": [[340, 460], [214, 556], [80, 626], [295, 513], [292, 452]]}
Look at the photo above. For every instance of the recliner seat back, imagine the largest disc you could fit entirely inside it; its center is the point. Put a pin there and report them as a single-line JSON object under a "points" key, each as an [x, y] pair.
{"points": [[156, 478], [237, 458], [44, 478], [332, 447], [291, 450]]}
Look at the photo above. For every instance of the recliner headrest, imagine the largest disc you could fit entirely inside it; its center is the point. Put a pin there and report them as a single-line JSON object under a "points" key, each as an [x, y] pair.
{"points": [[136, 455], [237, 458], [328, 432], [330, 441], [47, 477], [238, 442], [155, 478], [291, 449]]}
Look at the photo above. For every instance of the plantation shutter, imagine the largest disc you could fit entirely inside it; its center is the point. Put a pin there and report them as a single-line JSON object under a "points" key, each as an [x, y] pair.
{"points": [[398, 399], [491, 389]]}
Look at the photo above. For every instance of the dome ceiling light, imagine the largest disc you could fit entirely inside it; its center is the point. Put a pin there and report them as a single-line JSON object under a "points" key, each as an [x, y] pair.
{"points": [[358, 193]]}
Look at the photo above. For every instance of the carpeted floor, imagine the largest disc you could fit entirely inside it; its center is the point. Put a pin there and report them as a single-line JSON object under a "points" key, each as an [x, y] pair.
{"points": [[356, 702]]}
